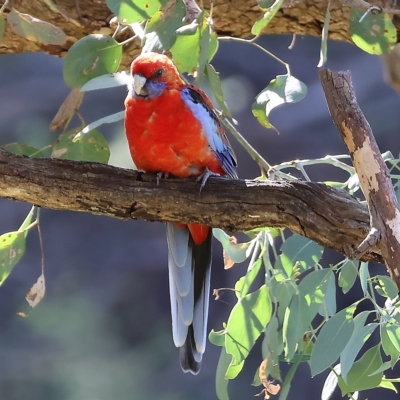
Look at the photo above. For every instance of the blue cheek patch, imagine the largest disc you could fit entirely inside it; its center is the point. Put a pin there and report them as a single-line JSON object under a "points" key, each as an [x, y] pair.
{"points": [[154, 90]]}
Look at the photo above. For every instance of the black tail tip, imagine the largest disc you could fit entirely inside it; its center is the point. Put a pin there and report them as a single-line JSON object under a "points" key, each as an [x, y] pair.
{"points": [[188, 363]]}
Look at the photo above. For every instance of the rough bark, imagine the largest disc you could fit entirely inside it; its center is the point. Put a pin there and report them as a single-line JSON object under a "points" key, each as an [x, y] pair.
{"points": [[233, 17], [371, 169], [329, 216]]}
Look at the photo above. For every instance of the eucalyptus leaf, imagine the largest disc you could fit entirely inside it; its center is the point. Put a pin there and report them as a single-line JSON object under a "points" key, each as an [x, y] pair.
{"points": [[12, 247], [360, 335], [296, 322], [91, 147], [388, 347], [34, 29], [301, 251], [283, 89], [313, 288], [348, 275], [331, 340], [107, 81], [359, 377], [324, 37], [372, 32], [92, 56], [246, 322], [221, 383], [130, 11]]}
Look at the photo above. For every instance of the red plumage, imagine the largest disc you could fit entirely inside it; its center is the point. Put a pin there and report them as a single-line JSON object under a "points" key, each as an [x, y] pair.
{"points": [[172, 128]]}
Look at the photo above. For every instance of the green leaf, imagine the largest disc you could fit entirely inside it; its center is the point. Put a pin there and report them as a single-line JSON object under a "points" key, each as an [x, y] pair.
{"points": [[387, 384], [388, 286], [107, 81], [243, 285], [109, 119], [364, 276], [91, 147], [247, 320], [282, 293], [160, 31], [360, 335], [186, 50], [205, 38], [283, 89], [221, 383], [217, 338], [375, 34], [388, 347], [296, 322], [393, 332], [90, 57], [313, 289], [264, 21], [2, 25], [300, 250], [383, 367], [348, 275], [324, 38], [216, 87], [130, 11], [233, 370], [12, 247], [237, 252], [21, 149], [272, 347], [359, 377], [35, 29], [332, 339], [328, 308]]}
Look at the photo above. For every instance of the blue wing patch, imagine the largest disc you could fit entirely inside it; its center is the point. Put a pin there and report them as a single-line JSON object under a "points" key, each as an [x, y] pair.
{"points": [[202, 109]]}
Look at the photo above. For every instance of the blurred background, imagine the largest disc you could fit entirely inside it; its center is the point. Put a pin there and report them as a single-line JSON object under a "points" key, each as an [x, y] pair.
{"points": [[103, 330]]}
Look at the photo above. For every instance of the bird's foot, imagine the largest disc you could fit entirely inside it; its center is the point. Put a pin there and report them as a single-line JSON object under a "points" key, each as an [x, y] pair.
{"points": [[161, 175], [204, 177]]}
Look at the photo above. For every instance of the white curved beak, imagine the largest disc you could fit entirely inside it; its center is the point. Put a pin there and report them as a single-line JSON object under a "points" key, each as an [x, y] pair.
{"points": [[138, 83]]}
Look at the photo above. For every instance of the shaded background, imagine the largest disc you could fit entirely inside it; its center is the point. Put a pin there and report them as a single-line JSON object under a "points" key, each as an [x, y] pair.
{"points": [[103, 329]]}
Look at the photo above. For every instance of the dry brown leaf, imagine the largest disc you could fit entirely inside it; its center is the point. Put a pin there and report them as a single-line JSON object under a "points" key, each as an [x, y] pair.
{"points": [[36, 293], [269, 386], [228, 262], [67, 110], [22, 314]]}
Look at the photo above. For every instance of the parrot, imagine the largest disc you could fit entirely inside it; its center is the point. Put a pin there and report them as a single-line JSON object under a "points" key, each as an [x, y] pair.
{"points": [[172, 129]]}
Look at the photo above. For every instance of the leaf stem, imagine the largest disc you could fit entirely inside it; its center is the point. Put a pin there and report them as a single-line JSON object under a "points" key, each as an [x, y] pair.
{"points": [[288, 379], [253, 43], [254, 154]]}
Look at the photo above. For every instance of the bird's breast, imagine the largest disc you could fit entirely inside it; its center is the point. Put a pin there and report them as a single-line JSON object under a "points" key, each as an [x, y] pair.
{"points": [[165, 136]]}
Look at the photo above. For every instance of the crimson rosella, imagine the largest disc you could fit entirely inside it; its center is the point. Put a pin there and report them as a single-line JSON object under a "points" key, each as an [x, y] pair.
{"points": [[173, 129]]}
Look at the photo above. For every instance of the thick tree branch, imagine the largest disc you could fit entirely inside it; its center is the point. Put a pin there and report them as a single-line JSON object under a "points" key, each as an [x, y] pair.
{"points": [[371, 169], [233, 18], [329, 216]]}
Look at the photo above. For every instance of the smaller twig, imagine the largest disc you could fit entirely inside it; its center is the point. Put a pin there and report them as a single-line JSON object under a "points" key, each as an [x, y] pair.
{"points": [[235, 39], [372, 9], [4, 6], [372, 239], [254, 154], [366, 4], [216, 292]]}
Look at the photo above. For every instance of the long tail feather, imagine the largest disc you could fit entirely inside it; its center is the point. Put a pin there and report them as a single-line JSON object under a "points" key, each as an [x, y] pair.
{"points": [[189, 267]]}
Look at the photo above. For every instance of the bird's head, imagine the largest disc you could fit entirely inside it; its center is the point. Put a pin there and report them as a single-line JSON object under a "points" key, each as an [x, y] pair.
{"points": [[151, 74]]}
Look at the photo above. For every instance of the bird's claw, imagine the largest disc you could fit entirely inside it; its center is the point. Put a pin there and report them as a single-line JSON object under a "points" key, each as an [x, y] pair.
{"points": [[204, 177], [161, 175]]}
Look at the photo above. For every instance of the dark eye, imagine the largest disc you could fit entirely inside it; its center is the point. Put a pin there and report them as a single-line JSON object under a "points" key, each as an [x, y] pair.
{"points": [[158, 73]]}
